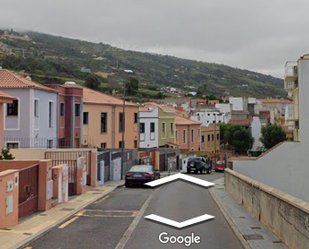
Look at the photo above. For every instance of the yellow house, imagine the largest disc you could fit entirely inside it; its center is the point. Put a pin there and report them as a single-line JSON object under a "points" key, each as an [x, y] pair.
{"points": [[102, 121], [211, 138]]}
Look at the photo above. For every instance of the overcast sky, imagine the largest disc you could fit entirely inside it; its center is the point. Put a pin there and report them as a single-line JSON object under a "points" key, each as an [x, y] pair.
{"points": [[259, 35]]}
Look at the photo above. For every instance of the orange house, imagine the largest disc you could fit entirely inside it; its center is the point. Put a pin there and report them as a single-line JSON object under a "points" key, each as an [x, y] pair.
{"points": [[4, 98], [102, 121], [188, 134]]}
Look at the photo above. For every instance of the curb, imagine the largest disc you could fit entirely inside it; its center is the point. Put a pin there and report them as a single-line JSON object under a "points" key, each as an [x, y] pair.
{"points": [[230, 221], [42, 232]]}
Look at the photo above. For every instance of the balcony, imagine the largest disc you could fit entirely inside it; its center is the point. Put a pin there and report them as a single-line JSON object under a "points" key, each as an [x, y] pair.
{"points": [[291, 71], [289, 86], [291, 114]]}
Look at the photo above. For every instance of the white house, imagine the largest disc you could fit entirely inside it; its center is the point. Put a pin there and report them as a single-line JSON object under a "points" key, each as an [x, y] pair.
{"points": [[238, 103], [148, 127], [31, 120], [285, 167], [256, 132], [211, 116]]}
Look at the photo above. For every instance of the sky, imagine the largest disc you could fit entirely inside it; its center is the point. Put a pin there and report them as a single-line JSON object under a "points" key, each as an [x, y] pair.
{"points": [[258, 35]]}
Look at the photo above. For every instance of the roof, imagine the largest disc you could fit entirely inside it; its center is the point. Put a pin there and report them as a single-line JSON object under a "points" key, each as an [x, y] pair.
{"points": [[184, 121], [241, 122], [9, 79], [269, 101], [95, 97], [6, 96], [240, 112]]}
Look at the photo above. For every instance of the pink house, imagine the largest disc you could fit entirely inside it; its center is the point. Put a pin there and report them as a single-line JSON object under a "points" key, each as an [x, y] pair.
{"points": [[188, 134]]}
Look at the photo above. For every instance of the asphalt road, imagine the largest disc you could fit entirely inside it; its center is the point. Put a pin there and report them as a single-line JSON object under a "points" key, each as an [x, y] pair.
{"points": [[103, 224]]}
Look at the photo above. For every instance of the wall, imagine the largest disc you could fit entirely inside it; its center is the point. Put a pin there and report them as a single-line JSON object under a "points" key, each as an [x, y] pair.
{"points": [[213, 144], [286, 216], [189, 145], [237, 104], [167, 118]]}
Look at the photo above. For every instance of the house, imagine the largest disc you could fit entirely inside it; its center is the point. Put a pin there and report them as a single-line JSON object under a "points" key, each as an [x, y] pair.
{"points": [[31, 120], [210, 139], [4, 99], [188, 134], [166, 125], [284, 167], [70, 114], [148, 120], [103, 121], [211, 116]]}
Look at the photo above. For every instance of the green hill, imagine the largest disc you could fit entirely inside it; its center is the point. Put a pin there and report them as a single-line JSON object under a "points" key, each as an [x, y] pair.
{"points": [[56, 59]]}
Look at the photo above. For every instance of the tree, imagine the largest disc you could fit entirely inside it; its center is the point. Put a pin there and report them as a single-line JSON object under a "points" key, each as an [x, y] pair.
{"points": [[92, 82], [6, 155], [132, 86], [202, 90], [272, 134], [238, 137]]}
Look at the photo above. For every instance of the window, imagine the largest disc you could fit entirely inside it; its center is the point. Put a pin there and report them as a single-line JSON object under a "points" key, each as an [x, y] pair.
{"points": [[86, 118], [77, 110], [36, 107], [62, 109], [50, 114], [121, 122], [208, 114], [212, 137], [135, 118], [217, 136], [176, 135], [163, 130], [199, 134], [120, 144], [152, 127], [184, 137], [203, 138], [214, 122], [142, 127], [135, 143], [208, 138], [12, 145], [49, 143], [192, 136], [172, 129], [103, 145], [12, 109], [103, 122]]}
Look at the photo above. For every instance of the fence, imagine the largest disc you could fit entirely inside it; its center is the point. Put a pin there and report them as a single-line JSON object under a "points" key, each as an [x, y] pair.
{"points": [[28, 191]]}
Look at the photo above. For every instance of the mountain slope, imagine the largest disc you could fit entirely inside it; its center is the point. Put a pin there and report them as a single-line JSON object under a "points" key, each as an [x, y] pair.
{"points": [[62, 58]]}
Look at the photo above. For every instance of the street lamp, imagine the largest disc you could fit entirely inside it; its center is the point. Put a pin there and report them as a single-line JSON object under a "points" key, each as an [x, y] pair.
{"points": [[123, 121]]}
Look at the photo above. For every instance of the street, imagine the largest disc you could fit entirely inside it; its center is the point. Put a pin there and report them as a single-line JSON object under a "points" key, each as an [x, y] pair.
{"points": [[103, 224]]}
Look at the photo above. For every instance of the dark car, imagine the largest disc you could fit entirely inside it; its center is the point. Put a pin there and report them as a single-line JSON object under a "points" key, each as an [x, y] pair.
{"points": [[198, 164], [140, 174]]}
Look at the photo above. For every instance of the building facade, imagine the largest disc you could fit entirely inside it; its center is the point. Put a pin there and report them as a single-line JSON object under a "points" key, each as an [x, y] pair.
{"points": [[148, 127], [103, 120], [210, 139], [31, 120]]}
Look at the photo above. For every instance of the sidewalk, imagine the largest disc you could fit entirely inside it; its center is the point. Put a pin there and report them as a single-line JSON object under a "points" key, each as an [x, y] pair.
{"points": [[33, 226], [251, 233]]}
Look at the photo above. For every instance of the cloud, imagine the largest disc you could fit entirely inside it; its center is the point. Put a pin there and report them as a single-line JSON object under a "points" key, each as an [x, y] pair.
{"points": [[256, 35]]}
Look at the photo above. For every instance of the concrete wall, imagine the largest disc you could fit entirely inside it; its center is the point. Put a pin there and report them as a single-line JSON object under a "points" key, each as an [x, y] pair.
{"points": [[286, 216]]}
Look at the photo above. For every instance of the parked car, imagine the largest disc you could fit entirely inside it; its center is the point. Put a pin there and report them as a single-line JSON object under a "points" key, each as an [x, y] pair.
{"points": [[220, 166], [198, 164], [140, 174]]}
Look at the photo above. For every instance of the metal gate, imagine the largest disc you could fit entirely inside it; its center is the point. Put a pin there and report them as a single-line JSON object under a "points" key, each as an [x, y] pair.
{"points": [[105, 156], [28, 191], [70, 158]]}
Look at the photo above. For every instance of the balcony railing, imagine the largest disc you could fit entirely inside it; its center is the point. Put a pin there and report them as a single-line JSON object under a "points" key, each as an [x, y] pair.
{"points": [[291, 71]]}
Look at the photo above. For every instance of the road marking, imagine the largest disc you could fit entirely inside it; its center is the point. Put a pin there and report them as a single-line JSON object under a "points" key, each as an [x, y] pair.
{"points": [[68, 222], [103, 199], [108, 213]]}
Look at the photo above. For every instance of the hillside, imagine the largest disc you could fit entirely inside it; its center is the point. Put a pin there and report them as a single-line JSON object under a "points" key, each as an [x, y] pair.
{"points": [[56, 59]]}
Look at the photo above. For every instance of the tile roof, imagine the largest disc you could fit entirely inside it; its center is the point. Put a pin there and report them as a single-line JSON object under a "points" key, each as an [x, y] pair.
{"points": [[240, 112], [184, 121], [268, 101], [95, 97], [9, 79], [241, 122], [4, 95]]}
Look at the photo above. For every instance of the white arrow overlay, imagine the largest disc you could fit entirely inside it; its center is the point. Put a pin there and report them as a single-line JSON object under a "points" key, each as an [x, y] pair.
{"points": [[180, 176], [179, 225]]}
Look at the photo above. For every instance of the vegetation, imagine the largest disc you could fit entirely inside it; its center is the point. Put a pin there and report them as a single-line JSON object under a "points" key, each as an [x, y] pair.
{"points": [[132, 86], [272, 134], [53, 59], [6, 155], [237, 137]]}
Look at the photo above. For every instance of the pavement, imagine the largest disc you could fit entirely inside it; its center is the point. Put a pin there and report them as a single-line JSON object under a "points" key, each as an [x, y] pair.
{"points": [[37, 224], [250, 232]]}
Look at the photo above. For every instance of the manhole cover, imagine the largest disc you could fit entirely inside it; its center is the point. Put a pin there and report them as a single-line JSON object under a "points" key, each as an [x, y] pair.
{"points": [[256, 228], [253, 237], [67, 209]]}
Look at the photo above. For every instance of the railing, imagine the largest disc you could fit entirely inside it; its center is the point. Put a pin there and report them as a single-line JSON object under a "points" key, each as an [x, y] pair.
{"points": [[291, 70]]}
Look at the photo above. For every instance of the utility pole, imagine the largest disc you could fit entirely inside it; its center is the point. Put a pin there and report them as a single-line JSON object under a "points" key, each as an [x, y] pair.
{"points": [[122, 127]]}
